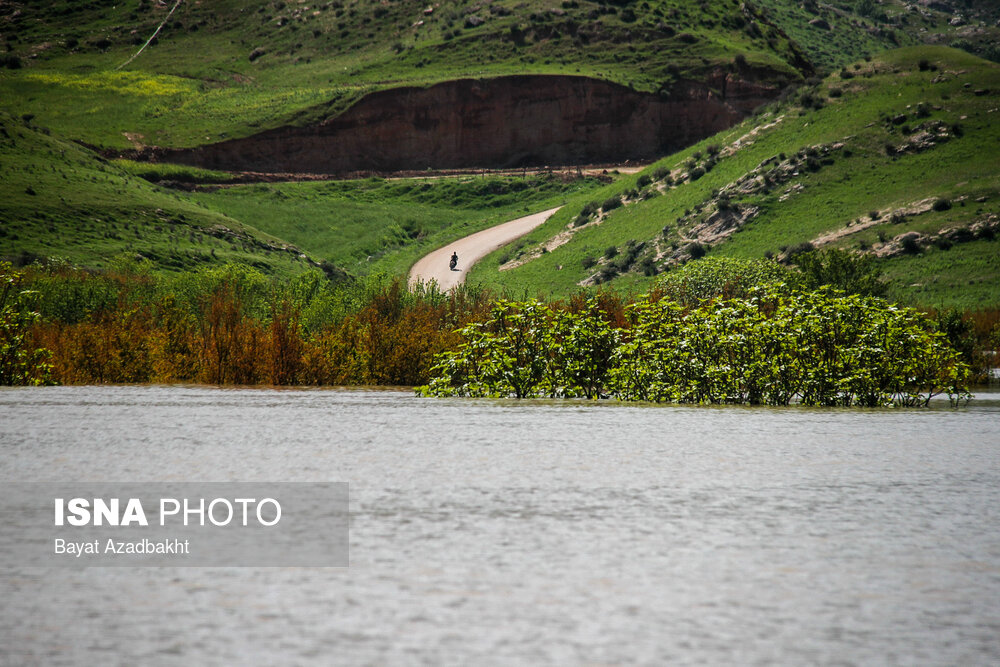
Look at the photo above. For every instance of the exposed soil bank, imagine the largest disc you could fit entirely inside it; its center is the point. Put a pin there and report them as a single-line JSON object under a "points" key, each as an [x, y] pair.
{"points": [[504, 122]]}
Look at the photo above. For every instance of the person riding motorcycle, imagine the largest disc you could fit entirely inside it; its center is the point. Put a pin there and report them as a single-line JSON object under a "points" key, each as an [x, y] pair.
{"points": [[454, 261]]}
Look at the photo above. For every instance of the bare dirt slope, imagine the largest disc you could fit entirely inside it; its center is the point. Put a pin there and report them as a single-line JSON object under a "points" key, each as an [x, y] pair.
{"points": [[471, 249], [503, 122]]}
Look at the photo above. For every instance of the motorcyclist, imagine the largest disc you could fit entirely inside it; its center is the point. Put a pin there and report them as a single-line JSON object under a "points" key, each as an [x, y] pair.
{"points": [[454, 260]]}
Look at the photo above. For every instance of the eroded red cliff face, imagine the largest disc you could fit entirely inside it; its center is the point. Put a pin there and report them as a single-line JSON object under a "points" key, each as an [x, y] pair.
{"points": [[503, 122]]}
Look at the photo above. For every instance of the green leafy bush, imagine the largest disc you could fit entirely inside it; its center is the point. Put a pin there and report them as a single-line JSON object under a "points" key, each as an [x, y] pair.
{"points": [[774, 346], [842, 270], [529, 349], [713, 277], [21, 363], [611, 203]]}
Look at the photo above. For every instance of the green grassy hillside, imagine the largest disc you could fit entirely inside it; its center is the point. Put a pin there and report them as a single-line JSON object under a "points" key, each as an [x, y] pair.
{"points": [[225, 69], [898, 157], [60, 200], [386, 225], [834, 34], [230, 68], [886, 146]]}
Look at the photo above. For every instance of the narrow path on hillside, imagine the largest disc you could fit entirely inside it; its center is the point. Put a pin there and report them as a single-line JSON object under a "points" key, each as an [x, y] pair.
{"points": [[471, 249]]}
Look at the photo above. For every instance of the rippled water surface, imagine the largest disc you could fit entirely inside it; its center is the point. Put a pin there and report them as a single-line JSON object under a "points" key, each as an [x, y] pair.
{"points": [[489, 532]]}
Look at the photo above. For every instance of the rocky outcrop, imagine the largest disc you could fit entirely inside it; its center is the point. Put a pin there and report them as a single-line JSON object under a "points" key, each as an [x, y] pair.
{"points": [[912, 242], [502, 122]]}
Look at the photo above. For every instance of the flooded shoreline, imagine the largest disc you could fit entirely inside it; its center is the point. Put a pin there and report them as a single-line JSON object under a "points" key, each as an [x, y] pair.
{"points": [[533, 531]]}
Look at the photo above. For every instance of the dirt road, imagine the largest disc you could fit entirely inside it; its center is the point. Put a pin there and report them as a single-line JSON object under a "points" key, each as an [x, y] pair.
{"points": [[471, 249]]}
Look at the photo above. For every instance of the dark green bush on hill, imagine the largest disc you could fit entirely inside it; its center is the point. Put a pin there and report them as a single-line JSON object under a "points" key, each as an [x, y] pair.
{"points": [[697, 250], [842, 270]]}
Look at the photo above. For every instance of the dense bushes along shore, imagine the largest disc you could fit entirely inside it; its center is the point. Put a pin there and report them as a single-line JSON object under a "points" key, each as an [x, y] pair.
{"points": [[722, 331], [229, 325]]}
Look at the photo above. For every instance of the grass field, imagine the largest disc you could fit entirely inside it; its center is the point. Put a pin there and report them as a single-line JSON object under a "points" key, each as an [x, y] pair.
{"points": [[386, 225], [953, 278], [232, 68], [60, 200]]}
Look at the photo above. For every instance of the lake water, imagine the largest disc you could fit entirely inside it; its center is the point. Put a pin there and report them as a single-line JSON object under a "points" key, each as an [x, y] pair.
{"points": [[499, 532]]}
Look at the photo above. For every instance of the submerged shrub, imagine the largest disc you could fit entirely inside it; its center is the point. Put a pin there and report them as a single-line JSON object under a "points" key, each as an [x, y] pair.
{"points": [[773, 347], [529, 349], [233, 325]]}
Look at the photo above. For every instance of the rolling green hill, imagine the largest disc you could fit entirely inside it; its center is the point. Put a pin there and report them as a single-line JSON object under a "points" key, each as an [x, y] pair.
{"points": [[227, 69], [898, 157], [58, 200], [834, 34], [386, 225], [231, 68], [893, 153]]}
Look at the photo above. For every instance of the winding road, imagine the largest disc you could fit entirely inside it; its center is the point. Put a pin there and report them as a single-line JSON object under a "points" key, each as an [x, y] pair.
{"points": [[471, 249]]}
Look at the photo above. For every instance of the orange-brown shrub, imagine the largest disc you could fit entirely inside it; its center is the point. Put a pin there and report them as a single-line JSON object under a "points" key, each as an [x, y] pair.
{"points": [[285, 345], [112, 347], [230, 342], [391, 341]]}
